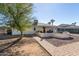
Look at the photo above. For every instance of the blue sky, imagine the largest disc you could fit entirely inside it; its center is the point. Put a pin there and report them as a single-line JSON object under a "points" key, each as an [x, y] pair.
{"points": [[61, 13]]}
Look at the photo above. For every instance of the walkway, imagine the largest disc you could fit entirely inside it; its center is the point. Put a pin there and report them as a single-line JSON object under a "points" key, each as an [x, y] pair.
{"points": [[45, 44]]}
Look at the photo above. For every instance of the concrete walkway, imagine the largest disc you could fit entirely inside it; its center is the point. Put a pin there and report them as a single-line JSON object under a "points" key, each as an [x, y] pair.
{"points": [[70, 49], [45, 44]]}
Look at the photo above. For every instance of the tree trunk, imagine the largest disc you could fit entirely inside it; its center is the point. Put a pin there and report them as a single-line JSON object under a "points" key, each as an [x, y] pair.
{"points": [[21, 35]]}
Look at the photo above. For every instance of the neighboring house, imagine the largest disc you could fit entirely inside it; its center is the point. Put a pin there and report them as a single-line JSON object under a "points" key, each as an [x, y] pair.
{"points": [[69, 28]]}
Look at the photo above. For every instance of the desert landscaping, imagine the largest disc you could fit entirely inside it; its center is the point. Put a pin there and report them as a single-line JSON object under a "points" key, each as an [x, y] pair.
{"points": [[29, 46], [26, 47], [65, 47]]}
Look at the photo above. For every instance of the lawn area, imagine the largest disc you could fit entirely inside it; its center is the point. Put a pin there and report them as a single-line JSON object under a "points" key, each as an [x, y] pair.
{"points": [[26, 47]]}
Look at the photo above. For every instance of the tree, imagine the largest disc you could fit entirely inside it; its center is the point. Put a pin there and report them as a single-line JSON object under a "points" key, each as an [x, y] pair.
{"points": [[49, 23], [52, 21], [19, 15]]}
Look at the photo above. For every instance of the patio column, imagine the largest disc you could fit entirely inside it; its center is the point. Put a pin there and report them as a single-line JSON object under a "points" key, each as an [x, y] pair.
{"points": [[54, 30], [44, 29]]}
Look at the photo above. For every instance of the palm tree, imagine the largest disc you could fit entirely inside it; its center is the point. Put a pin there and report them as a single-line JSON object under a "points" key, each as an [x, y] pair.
{"points": [[52, 21], [74, 23]]}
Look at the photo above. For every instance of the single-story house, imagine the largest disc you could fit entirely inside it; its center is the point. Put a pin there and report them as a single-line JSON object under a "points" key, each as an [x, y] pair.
{"points": [[46, 28]]}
